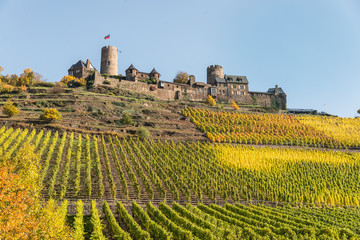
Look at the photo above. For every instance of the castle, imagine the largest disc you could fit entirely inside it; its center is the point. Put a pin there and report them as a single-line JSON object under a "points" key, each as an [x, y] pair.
{"points": [[219, 85]]}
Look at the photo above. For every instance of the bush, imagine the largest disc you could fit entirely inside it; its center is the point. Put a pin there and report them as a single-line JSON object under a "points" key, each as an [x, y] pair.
{"points": [[50, 114], [126, 120], [6, 88], [143, 133], [234, 105], [9, 109], [210, 101], [43, 84]]}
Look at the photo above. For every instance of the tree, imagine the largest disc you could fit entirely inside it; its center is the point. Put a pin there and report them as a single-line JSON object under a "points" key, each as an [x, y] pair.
{"points": [[210, 101], [181, 77], [358, 111], [234, 105], [22, 215], [9, 109], [67, 79], [50, 114], [73, 81]]}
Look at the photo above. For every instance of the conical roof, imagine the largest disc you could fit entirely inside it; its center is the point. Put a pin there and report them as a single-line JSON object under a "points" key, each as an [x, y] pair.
{"points": [[132, 68], [154, 71]]}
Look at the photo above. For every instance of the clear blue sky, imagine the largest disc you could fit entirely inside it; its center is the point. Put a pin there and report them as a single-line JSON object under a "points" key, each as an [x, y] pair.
{"points": [[310, 48]]}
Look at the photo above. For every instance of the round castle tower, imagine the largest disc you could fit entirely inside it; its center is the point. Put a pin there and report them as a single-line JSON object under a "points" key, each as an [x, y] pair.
{"points": [[214, 71], [109, 60]]}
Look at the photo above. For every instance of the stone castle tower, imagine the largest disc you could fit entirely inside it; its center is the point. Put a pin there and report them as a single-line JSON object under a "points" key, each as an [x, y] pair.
{"points": [[109, 60], [213, 72]]}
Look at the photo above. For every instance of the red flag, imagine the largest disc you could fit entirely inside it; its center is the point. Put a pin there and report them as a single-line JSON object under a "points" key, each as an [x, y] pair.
{"points": [[107, 37]]}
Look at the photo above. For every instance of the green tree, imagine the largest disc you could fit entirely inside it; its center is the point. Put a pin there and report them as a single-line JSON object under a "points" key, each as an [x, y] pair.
{"points": [[49, 114], [9, 109]]}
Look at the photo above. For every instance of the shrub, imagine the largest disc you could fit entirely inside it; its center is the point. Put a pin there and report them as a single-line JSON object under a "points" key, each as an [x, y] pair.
{"points": [[106, 82], [9, 109], [6, 88], [43, 84], [127, 120], [50, 114], [210, 101], [143, 133], [57, 88], [234, 105]]}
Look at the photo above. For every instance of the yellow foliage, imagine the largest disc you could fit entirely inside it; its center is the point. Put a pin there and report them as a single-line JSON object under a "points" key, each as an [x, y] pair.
{"points": [[274, 159], [277, 129], [81, 81], [9, 109], [23, 88], [210, 101], [21, 213], [181, 77], [6, 88], [234, 105], [50, 114], [67, 79]]}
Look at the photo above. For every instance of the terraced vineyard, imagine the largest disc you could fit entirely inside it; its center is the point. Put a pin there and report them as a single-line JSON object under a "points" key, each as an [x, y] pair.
{"points": [[202, 182], [104, 167], [214, 222], [276, 129]]}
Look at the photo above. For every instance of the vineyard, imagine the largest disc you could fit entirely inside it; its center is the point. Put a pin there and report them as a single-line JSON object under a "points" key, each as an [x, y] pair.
{"points": [[141, 189], [276, 129], [231, 221], [106, 167]]}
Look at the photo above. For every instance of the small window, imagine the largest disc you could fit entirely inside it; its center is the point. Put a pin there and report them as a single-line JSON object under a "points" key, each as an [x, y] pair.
{"points": [[108, 63], [77, 71], [241, 87], [224, 92], [242, 93], [234, 86], [71, 72]]}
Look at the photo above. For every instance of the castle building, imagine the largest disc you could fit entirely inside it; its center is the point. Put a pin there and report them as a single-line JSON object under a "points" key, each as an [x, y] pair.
{"points": [[81, 69], [132, 74], [219, 85]]}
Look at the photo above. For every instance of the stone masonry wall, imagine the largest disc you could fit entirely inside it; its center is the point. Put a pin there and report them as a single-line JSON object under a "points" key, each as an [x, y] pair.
{"points": [[173, 91]]}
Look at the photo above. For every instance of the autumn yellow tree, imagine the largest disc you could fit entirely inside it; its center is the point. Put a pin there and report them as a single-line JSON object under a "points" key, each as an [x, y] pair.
{"points": [[21, 213], [27, 78], [210, 101], [9, 109], [68, 79], [181, 77], [234, 105]]}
